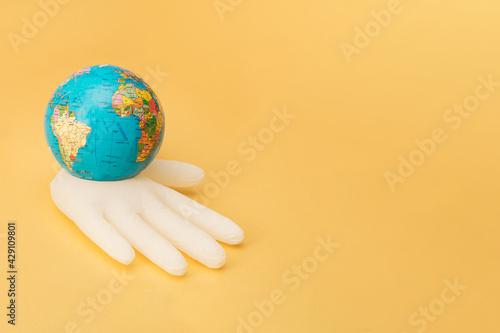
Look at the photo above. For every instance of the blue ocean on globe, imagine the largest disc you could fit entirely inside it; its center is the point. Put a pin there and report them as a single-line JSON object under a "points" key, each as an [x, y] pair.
{"points": [[104, 123]]}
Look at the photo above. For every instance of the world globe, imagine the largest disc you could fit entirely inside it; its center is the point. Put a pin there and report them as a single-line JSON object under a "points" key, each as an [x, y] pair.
{"points": [[104, 123]]}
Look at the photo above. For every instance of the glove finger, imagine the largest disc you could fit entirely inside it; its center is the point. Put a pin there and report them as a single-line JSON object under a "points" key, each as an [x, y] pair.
{"points": [[213, 223], [184, 235], [105, 236], [91, 223], [174, 173], [145, 239]]}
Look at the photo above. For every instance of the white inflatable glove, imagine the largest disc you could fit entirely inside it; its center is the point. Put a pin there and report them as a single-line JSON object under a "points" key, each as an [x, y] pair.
{"points": [[152, 218]]}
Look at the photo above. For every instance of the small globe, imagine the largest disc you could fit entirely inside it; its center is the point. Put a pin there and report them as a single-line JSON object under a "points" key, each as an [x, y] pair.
{"points": [[104, 123]]}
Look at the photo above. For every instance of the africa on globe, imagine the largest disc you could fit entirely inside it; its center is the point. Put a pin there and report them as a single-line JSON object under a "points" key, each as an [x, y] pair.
{"points": [[104, 123]]}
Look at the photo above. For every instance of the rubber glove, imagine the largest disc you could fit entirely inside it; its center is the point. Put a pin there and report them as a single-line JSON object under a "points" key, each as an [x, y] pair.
{"points": [[152, 218]]}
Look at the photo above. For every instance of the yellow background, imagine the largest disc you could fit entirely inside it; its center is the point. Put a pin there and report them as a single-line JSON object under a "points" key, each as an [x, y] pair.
{"points": [[323, 175]]}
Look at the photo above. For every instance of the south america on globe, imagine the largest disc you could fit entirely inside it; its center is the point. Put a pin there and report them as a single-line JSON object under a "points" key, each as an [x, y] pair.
{"points": [[104, 123]]}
